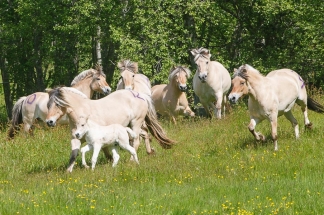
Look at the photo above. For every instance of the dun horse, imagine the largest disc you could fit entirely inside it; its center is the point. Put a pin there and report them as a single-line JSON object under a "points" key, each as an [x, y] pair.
{"points": [[170, 99], [130, 79], [112, 136], [34, 106], [211, 82], [125, 107], [274, 95]]}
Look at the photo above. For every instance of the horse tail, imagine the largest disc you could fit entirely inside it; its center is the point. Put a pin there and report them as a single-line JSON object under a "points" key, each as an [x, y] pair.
{"points": [[131, 133], [16, 117], [314, 106], [154, 127]]}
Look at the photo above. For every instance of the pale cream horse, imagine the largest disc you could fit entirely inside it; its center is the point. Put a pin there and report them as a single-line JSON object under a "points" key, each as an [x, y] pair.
{"points": [[170, 99], [111, 136], [274, 95], [125, 107], [130, 79], [211, 82], [29, 108]]}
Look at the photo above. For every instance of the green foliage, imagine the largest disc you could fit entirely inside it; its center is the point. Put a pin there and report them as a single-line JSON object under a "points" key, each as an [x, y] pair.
{"points": [[45, 44], [216, 167]]}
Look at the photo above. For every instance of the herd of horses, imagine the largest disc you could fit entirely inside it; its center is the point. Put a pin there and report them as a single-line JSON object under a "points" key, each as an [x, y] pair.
{"points": [[135, 104]]}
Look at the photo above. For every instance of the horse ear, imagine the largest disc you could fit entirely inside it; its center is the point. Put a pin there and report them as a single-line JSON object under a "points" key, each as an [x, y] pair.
{"points": [[193, 52], [135, 67], [120, 65]]}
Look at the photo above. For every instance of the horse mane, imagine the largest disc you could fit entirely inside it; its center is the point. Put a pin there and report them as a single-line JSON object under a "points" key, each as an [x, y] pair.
{"points": [[242, 71], [176, 70], [127, 64], [86, 73], [57, 96], [201, 52]]}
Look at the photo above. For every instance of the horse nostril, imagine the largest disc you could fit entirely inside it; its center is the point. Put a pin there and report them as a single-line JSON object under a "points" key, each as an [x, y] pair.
{"points": [[77, 135]]}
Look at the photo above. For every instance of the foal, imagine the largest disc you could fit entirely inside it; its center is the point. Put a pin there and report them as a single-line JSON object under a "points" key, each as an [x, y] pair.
{"points": [[98, 136]]}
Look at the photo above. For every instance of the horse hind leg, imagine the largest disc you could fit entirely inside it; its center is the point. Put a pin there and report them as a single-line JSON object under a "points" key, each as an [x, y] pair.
{"points": [[147, 139], [83, 152], [125, 145], [303, 107], [115, 156], [293, 121]]}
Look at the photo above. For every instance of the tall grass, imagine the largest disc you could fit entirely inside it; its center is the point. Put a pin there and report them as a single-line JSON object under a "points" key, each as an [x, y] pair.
{"points": [[216, 167]]}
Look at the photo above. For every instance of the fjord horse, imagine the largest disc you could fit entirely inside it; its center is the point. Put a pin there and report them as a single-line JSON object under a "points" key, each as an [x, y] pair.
{"points": [[211, 82], [130, 79], [170, 99], [29, 108], [125, 107], [274, 95]]}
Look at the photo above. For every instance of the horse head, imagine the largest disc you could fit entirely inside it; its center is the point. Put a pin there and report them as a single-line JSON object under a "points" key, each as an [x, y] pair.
{"points": [[99, 82], [202, 59], [81, 127], [128, 70], [55, 110], [239, 87], [180, 75]]}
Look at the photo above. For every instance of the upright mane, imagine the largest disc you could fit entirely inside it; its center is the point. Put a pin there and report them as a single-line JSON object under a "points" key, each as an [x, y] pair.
{"points": [[242, 71], [201, 52], [176, 70], [57, 96], [87, 73], [129, 65]]}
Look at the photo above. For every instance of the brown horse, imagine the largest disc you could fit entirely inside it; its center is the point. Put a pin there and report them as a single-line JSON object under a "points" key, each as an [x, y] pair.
{"points": [[170, 99], [125, 107], [29, 108], [274, 95]]}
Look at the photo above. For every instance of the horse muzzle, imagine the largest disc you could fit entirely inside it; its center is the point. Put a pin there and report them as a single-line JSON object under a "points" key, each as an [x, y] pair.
{"points": [[233, 98], [78, 135], [50, 123], [203, 78], [106, 90], [183, 88]]}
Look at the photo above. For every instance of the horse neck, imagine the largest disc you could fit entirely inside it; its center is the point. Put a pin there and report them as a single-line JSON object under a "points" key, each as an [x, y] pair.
{"points": [[84, 87], [175, 88], [255, 84]]}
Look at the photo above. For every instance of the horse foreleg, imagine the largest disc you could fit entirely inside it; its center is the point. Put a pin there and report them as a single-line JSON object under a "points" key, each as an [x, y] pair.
{"points": [[83, 152], [257, 135], [96, 150], [75, 145], [219, 105], [274, 125], [293, 121]]}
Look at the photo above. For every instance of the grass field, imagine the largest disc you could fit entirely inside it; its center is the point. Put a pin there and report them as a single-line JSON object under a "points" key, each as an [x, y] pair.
{"points": [[216, 167]]}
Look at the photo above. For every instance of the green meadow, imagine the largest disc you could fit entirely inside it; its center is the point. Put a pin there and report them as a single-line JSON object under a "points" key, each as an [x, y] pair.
{"points": [[216, 167]]}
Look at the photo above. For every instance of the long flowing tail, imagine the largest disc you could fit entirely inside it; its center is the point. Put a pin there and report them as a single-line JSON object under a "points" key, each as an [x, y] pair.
{"points": [[16, 117], [155, 128], [314, 106]]}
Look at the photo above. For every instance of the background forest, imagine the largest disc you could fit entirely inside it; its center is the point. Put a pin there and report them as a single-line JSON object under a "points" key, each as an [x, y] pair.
{"points": [[47, 43]]}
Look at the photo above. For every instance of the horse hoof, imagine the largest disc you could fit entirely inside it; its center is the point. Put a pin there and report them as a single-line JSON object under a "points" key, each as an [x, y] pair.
{"points": [[152, 152]]}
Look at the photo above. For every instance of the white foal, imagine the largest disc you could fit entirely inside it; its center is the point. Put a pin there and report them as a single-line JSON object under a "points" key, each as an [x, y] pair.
{"points": [[98, 136]]}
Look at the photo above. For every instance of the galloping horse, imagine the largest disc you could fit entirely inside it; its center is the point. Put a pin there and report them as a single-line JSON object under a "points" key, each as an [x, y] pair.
{"points": [[274, 95], [130, 79], [111, 136], [211, 82], [170, 99], [34, 106], [125, 107]]}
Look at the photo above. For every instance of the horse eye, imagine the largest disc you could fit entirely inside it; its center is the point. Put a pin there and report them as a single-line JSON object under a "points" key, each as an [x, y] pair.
{"points": [[98, 79], [133, 75], [207, 62]]}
